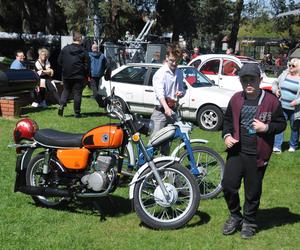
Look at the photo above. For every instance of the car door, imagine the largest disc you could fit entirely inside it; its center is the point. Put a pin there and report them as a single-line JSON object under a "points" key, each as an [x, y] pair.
{"points": [[149, 94], [129, 85], [229, 78], [211, 68]]}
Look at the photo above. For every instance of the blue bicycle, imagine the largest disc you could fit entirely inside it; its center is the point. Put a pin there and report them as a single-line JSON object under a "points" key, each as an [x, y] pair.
{"points": [[205, 163]]}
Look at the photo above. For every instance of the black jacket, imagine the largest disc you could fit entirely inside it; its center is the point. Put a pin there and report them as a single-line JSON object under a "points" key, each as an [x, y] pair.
{"points": [[74, 62]]}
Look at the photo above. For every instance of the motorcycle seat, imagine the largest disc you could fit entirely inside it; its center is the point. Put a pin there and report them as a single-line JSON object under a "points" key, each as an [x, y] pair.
{"points": [[58, 139]]}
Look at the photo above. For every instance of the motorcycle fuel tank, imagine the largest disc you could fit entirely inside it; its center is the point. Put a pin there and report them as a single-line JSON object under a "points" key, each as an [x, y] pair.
{"points": [[107, 136]]}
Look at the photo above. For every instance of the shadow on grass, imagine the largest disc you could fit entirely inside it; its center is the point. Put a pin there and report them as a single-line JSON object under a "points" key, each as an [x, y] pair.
{"points": [[28, 110], [113, 206], [204, 218], [88, 114], [276, 217]]}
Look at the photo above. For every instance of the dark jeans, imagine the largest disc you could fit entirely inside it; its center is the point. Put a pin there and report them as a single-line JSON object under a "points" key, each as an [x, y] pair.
{"points": [[75, 85], [94, 84], [242, 166]]}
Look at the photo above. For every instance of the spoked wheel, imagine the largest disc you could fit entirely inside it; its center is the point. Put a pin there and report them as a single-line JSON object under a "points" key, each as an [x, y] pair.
{"points": [[34, 177], [211, 167], [155, 210]]}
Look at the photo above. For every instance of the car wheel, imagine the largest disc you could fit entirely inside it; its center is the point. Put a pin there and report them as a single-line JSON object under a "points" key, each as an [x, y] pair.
{"points": [[210, 118], [120, 102]]}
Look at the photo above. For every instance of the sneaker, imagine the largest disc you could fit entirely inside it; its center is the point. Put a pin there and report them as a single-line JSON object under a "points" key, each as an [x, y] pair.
{"points": [[231, 225], [276, 150], [43, 104], [248, 230], [34, 104], [291, 149], [60, 111]]}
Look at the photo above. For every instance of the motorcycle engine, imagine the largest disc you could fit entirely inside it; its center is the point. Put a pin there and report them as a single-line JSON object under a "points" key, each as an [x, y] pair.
{"points": [[99, 178]]}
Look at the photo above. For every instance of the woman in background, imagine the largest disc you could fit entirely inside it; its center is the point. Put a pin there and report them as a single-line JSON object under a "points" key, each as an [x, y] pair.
{"points": [[43, 68], [287, 89]]}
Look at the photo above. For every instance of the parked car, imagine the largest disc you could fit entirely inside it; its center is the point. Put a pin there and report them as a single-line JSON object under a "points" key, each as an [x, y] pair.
{"points": [[223, 70], [14, 81], [204, 102]]}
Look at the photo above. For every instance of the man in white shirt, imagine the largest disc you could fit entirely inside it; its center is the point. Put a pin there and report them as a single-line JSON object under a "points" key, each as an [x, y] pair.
{"points": [[168, 85]]}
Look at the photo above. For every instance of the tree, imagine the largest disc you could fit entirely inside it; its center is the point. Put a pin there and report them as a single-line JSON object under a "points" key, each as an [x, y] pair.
{"points": [[31, 16], [178, 17], [214, 21], [236, 23]]}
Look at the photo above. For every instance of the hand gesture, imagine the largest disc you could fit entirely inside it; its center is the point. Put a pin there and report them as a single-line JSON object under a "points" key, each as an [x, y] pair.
{"points": [[230, 141], [259, 126]]}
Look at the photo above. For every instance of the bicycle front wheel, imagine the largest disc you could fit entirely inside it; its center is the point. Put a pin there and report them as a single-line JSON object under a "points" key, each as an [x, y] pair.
{"points": [[211, 168]]}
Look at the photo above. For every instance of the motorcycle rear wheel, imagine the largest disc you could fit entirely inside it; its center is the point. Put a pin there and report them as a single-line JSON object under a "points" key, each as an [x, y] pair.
{"points": [[152, 207], [34, 177]]}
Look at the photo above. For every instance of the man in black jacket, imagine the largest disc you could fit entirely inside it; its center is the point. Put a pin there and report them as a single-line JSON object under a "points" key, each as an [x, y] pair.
{"points": [[74, 61]]}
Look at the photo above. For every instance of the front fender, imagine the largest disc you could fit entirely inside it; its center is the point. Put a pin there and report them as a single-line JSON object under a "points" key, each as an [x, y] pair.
{"points": [[192, 141], [142, 169]]}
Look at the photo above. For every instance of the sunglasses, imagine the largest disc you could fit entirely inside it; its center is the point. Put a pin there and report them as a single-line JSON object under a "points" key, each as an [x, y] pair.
{"points": [[291, 65]]}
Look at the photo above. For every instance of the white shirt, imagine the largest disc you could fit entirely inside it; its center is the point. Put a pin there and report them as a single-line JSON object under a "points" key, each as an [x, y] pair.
{"points": [[166, 83]]}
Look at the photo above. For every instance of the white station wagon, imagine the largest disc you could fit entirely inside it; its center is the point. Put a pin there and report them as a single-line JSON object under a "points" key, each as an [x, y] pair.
{"points": [[223, 70], [204, 102]]}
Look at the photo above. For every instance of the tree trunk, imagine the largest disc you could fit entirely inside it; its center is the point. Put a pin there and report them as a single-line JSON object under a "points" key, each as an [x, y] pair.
{"points": [[26, 27], [50, 20], [236, 24]]}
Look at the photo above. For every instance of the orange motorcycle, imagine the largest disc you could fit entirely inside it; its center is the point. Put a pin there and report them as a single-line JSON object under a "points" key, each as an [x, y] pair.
{"points": [[57, 167]]}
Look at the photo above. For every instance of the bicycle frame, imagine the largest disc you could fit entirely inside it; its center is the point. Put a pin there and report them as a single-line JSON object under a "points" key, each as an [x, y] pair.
{"points": [[182, 131]]}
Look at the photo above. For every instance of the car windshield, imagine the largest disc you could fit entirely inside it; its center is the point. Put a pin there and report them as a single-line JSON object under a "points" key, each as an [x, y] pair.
{"points": [[195, 79]]}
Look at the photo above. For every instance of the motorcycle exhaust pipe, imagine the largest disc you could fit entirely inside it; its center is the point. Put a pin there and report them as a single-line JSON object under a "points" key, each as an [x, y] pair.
{"points": [[44, 191]]}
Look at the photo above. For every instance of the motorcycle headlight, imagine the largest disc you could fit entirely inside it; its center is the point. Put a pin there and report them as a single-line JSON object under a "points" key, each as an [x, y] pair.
{"points": [[145, 126]]}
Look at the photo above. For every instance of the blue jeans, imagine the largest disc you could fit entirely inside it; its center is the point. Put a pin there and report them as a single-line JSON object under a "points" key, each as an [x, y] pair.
{"points": [[293, 142]]}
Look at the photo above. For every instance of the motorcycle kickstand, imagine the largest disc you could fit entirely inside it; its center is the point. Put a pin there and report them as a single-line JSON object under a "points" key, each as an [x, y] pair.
{"points": [[101, 211]]}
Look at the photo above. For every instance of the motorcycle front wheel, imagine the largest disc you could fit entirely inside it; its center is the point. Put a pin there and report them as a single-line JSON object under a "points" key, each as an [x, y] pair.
{"points": [[211, 168], [35, 177], [154, 209]]}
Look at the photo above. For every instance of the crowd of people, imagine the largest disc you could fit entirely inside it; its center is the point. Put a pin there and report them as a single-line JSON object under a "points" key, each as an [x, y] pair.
{"points": [[77, 66]]}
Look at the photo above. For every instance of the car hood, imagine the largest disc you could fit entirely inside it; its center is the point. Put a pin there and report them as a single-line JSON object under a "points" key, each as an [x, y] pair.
{"points": [[222, 92], [214, 95]]}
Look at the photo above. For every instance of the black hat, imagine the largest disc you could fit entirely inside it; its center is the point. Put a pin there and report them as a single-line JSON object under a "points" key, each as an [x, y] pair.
{"points": [[250, 69]]}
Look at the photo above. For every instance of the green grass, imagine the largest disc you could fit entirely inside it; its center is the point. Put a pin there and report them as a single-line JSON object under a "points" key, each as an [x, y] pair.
{"points": [[25, 226]]}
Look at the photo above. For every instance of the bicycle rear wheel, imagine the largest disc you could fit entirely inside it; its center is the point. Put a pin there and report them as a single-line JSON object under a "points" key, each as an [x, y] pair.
{"points": [[211, 167]]}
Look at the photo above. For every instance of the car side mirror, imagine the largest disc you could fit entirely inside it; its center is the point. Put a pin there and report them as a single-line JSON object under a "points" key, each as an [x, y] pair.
{"points": [[107, 74]]}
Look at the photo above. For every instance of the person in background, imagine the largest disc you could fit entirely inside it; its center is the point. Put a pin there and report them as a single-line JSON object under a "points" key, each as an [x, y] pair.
{"points": [[44, 70], [287, 89], [18, 63], [98, 66], [278, 65], [168, 85], [252, 119], [156, 57], [196, 52], [74, 61], [229, 51], [185, 57]]}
